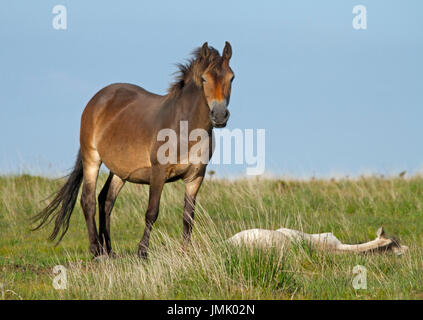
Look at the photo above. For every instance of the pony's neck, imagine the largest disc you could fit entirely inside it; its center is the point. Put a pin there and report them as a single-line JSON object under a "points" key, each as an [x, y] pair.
{"points": [[194, 108]]}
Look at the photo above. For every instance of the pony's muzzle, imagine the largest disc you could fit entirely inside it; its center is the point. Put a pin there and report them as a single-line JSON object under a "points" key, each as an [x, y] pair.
{"points": [[219, 114]]}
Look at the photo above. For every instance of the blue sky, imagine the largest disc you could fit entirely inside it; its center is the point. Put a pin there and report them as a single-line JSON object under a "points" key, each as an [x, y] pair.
{"points": [[332, 99]]}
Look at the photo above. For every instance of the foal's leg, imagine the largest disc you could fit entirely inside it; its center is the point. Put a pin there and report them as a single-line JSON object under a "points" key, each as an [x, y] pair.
{"points": [[106, 200], [91, 167], [191, 190], [156, 187]]}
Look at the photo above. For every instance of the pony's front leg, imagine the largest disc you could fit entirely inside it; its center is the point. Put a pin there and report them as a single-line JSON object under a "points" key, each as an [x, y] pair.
{"points": [[156, 187], [191, 190]]}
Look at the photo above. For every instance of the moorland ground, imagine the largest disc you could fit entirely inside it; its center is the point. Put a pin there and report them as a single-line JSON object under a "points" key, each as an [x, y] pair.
{"points": [[212, 269]]}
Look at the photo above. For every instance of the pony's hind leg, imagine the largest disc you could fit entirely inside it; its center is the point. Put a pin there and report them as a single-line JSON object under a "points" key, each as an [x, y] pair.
{"points": [[91, 164], [106, 200]]}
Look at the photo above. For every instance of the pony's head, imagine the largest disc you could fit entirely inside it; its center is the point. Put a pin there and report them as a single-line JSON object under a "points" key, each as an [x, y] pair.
{"points": [[216, 80], [210, 72]]}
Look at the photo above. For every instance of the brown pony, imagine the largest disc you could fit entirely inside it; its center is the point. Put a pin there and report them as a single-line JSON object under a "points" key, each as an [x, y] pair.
{"points": [[120, 126]]}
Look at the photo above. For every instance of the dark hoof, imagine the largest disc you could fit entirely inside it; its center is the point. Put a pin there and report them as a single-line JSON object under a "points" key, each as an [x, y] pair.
{"points": [[142, 253], [96, 250], [186, 246], [112, 255], [184, 250]]}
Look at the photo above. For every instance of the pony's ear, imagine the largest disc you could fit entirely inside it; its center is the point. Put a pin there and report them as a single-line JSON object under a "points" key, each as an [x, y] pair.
{"points": [[205, 50], [227, 51]]}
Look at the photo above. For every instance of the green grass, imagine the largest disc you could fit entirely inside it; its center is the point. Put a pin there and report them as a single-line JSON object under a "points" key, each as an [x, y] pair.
{"points": [[212, 269]]}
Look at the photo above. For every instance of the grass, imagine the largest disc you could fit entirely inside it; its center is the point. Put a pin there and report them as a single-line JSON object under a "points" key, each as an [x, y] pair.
{"points": [[212, 269]]}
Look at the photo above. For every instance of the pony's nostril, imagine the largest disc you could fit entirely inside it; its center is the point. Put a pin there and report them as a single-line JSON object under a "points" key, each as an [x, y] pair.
{"points": [[219, 113]]}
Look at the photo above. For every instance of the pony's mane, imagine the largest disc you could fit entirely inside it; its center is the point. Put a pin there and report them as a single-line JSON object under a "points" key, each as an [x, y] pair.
{"points": [[193, 69]]}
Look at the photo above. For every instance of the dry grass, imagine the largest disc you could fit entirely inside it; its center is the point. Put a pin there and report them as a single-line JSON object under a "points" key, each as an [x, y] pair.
{"points": [[351, 209]]}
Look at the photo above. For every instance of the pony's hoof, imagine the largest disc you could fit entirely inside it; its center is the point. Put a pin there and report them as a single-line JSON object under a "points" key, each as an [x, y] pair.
{"points": [[96, 250], [184, 250], [112, 255], [186, 246], [142, 254]]}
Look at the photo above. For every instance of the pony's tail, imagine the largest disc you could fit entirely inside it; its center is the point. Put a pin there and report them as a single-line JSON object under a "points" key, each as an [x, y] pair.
{"points": [[61, 207]]}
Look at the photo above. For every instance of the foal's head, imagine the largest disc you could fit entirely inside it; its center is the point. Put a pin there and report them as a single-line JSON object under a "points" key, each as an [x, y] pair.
{"points": [[211, 72]]}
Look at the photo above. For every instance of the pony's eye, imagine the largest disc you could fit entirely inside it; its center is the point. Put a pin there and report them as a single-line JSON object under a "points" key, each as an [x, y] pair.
{"points": [[203, 79], [232, 79]]}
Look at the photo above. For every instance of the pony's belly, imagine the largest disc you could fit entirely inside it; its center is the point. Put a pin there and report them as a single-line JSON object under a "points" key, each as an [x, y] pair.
{"points": [[140, 175], [129, 170]]}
